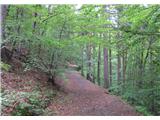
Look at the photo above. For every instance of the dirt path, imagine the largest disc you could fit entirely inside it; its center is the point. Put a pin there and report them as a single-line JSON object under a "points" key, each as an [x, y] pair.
{"points": [[85, 98]]}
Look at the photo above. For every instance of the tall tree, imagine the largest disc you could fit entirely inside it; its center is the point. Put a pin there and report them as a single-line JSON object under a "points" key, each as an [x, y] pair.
{"points": [[99, 66], [110, 60], [4, 10], [106, 74]]}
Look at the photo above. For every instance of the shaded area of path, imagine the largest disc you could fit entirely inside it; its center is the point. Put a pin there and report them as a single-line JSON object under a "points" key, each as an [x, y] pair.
{"points": [[86, 98]]}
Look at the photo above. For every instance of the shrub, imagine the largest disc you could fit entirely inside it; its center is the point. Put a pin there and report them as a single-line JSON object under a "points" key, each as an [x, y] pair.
{"points": [[5, 66]]}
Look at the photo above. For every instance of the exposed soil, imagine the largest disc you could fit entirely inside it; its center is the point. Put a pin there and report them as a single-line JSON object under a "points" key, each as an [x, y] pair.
{"points": [[87, 99], [27, 83], [23, 82], [80, 96]]}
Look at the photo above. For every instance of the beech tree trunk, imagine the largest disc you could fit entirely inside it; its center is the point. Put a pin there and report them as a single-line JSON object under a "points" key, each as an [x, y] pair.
{"points": [[82, 63], [3, 16], [99, 65], [89, 56], [106, 78], [110, 63], [118, 68], [94, 67], [124, 66], [110, 67]]}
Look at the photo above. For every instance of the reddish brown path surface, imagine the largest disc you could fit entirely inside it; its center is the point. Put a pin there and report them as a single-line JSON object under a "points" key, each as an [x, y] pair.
{"points": [[86, 98]]}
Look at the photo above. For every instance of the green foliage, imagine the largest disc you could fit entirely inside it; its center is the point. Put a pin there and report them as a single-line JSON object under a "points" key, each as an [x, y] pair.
{"points": [[60, 34], [4, 66], [143, 110], [33, 107], [27, 103]]}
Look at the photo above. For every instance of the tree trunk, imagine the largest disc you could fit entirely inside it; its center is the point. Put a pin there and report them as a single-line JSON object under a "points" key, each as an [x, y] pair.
{"points": [[94, 67], [99, 65], [34, 23], [118, 69], [106, 80], [89, 72], [152, 83], [124, 66], [17, 17], [82, 63], [3, 16], [110, 67], [4, 12], [110, 62]]}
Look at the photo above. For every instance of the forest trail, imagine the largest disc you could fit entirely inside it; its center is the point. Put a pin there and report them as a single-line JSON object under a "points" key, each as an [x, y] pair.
{"points": [[86, 99]]}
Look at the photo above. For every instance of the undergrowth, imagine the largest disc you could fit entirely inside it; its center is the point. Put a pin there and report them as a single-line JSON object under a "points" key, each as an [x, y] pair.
{"points": [[26, 103]]}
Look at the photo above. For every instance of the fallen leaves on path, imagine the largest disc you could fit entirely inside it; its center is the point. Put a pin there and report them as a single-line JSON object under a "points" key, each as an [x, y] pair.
{"points": [[85, 98]]}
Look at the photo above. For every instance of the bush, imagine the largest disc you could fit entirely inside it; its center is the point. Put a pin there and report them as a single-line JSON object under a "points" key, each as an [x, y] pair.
{"points": [[34, 106], [28, 103], [143, 109], [5, 66], [28, 109]]}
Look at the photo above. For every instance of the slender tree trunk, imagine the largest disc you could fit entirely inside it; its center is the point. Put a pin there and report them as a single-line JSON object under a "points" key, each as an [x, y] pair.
{"points": [[94, 67], [118, 68], [89, 72], [82, 63], [3, 12], [99, 65], [124, 66], [152, 75], [17, 17], [110, 62], [106, 78], [141, 69], [110, 67], [118, 52], [152, 107], [3, 16], [34, 23]]}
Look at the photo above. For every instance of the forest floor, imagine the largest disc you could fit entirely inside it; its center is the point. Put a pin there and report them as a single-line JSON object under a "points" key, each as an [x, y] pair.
{"points": [[74, 96], [84, 98]]}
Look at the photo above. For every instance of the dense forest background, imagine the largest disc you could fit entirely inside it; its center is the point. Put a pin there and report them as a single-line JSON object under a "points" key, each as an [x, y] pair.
{"points": [[114, 46]]}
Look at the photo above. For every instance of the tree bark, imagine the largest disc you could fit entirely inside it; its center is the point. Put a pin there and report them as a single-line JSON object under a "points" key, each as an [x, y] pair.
{"points": [[106, 80], [110, 67], [110, 62], [34, 23], [118, 68], [89, 72], [124, 65], [99, 65], [94, 67], [82, 63], [3, 16]]}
